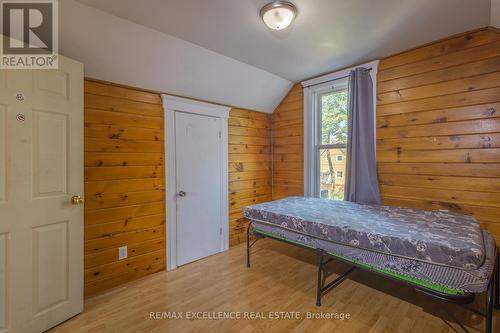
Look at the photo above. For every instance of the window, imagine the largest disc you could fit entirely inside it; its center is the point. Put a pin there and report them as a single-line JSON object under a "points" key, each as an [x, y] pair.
{"points": [[331, 144], [325, 132]]}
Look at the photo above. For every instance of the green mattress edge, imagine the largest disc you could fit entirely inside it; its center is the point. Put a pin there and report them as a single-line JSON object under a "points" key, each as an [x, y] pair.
{"points": [[426, 284]]}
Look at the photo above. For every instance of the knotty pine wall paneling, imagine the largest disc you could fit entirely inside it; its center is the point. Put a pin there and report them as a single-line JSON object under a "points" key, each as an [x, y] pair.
{"points": [[124, 185], [250, 166], [124, 180], [438, 127], [288, 145]]}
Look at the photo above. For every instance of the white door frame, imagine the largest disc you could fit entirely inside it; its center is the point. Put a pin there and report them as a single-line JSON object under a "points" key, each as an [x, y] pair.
{"points": [[171, 105]]}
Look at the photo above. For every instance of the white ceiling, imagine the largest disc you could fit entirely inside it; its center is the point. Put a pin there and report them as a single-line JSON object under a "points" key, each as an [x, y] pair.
{"points": [[117, 50], [327, 34]]}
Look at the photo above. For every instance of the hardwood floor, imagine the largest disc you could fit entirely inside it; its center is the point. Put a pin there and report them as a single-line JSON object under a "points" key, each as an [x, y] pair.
{"points": [[282, 278]]}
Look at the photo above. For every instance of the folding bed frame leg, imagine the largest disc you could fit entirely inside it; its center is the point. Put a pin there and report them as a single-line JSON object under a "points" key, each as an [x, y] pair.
{"points": [[320, 278], [489, 308], [497, 282], [248, 244]]}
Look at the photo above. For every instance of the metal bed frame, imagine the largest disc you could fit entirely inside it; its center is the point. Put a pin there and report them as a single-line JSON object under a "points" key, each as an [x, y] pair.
{"points": [[492, 293]]}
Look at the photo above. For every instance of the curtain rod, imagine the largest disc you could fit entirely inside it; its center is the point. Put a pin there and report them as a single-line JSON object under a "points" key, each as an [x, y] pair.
{"points": [[337, 78]]}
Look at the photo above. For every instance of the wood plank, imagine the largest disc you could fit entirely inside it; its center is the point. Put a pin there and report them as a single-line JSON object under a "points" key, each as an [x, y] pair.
{"points": [[249, 131], [247, 149], [111, 269], [250, 175], [122, 214], [440, 48], [249, 166], [122, 146], [441, 169], [465, 197], [251, 183], [483, 111], [116, 132], [238, 205], [122, 277], [449, 128], [126, 172], [100, 117], [111, 255], [249, 122], [120, 105], [296, 130], [443, 156], [288, 158], [453, 59], [111, 229], [137, 236], [242, 113], [480, 212], [97, 159], [491, 140], [446, 74], [249, 193], [442, 182], [113, 90], [248, 140], [122, 199], [252, 157], [123, 185], [473, 83], [442, 102]]}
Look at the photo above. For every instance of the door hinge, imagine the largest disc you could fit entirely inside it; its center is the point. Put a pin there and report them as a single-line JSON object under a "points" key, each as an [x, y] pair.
{"points": [[220, 230], [220, 135]]}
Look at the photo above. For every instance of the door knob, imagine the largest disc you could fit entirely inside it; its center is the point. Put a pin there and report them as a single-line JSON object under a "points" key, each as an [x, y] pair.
{"points": [[77, 200], [182, 193]]}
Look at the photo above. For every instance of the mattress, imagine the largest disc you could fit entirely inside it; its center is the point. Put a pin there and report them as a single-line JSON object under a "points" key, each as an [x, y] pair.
{"points": [[444, 279], [435, 237]]}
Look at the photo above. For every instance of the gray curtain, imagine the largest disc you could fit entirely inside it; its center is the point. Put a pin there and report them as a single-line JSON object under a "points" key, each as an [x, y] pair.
{"points": [[361, 170]]}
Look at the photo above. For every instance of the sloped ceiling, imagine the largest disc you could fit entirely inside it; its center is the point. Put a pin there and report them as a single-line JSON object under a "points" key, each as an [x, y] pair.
{"points": [[327, 34], [220, 51], [117, 50]]}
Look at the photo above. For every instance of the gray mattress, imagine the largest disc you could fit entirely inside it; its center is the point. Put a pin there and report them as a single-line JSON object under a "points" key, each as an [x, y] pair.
{"points": [[468, 281], [435, 237]]}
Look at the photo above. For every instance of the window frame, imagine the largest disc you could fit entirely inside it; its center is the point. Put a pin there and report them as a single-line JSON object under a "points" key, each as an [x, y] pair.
{"points": [[311, 88]]}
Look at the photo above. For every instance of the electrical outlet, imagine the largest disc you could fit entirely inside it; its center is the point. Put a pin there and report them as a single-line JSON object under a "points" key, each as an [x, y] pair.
{"points": [[122, 253]]}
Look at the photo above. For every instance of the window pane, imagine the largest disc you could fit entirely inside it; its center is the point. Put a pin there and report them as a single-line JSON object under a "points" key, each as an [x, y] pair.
{"points": [[331, 172], [334, 117]]}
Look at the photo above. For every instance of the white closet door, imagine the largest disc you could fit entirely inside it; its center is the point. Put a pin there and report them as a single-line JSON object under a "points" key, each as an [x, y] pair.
{"points": [[199, 186]]}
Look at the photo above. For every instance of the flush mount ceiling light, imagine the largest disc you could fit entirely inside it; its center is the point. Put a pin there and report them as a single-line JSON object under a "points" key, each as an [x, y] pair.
{"points": [[278, 15]]}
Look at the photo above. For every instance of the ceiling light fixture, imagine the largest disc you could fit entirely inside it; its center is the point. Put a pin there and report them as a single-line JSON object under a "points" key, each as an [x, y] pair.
{"points": [[278, 15]]}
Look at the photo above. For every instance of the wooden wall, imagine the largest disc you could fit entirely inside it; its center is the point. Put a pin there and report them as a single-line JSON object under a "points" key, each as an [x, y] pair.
{"points": [[438, 127], [124, 185], [250, 164], [124, 180], [288, 145]]}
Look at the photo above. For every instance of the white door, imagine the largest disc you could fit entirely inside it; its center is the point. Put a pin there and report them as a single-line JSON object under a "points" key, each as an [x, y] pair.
{"points": [[41, 168], [199, 186]]}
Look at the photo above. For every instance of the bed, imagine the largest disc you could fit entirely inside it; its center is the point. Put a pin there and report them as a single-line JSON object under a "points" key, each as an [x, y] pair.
{"points": [[440, 253]]}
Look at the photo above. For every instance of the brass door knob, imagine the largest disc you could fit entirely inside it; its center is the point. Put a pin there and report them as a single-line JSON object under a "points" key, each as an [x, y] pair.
{"points": [[77, 200]]}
